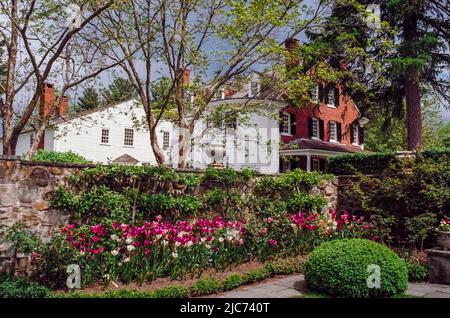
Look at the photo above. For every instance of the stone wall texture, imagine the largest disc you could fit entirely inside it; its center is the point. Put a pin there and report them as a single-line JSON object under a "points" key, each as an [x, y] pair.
{"points": [[26, 188]]}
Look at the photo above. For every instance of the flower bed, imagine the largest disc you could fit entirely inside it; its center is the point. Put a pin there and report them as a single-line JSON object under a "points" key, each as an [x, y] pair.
{"points": [[122, 252]]}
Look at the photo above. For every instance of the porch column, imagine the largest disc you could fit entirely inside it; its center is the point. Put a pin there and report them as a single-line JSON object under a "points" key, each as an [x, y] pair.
{"points": [[308, 162]]}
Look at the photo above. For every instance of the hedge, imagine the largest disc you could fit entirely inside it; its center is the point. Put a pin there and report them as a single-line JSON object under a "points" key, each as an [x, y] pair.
{"points": [[375, 163]]}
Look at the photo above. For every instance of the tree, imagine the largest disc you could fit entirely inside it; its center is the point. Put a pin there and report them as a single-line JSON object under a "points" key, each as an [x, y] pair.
{"points": [[89, 100], [386, 66], [221, 41], [120, 90], [44, 41]]}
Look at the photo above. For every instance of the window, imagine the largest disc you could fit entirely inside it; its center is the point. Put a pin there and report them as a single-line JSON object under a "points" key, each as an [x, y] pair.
{"points": [[355, 135], [286, 165], [315, 128], [254, 88], [128, 137], [104, 139], [315, 93], [166, 140], [331, 101], [332, 130], [316, 164], [286, 123]]}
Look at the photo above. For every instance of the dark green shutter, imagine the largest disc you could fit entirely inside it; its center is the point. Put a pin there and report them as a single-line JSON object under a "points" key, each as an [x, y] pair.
{"points": [[352, 130], [281, 121], [321, 129], [293, 124], [310, 127], [321, 93], [361, 135], [338, 132], [336, 96]]}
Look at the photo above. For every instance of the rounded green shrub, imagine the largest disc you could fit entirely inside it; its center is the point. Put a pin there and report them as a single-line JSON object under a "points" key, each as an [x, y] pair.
{"points": [[343, 268]]}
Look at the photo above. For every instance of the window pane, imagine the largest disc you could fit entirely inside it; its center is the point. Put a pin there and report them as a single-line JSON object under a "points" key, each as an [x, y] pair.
{"points": [[166, 140], [332, 130], [128, 137], [331, 97], [105, 136], [286, 129], [315, 128]]}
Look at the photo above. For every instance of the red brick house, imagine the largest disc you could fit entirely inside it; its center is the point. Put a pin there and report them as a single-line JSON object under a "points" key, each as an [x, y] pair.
{"points": [[329, 126]]}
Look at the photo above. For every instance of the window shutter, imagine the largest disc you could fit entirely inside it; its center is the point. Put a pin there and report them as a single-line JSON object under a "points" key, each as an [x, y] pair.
{"points": [[281, 121], [310, 127], [338, 132], [329, 130], [361, 135], [336, 96], [326, 89], [321, 93], [293, 125], [352, 130], [321, 129], [281, 165]]}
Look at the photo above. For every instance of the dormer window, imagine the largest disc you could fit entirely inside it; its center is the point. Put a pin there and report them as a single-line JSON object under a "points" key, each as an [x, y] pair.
{"points": [[254, 88]]}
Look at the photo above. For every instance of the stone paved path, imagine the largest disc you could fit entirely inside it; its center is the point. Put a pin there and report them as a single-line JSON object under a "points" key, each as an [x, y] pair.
{"points": [[294, 286]]}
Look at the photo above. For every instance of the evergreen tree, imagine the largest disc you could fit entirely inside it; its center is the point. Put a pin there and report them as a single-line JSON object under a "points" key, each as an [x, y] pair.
{"points": [[89, 100], [385, 70], [121, 89]]}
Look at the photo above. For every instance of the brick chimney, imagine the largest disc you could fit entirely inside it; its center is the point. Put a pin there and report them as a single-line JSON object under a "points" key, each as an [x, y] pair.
{"points": [[186, 76], [293, 59], [47, 100]]}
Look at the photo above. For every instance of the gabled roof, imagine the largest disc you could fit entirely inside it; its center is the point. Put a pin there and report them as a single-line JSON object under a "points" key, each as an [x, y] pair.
{"points": [[126, 159]]}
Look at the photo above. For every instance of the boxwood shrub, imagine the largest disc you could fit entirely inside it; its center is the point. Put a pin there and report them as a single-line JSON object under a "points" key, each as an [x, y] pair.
{"points": [[340, 268], [14, 287], [360, 163]]}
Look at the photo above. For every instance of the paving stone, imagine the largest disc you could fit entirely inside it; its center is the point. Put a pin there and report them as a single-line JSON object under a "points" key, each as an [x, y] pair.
{"points": [[437, 294]]}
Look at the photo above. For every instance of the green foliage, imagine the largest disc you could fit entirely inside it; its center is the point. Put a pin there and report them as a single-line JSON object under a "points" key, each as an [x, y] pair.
{"points": [[232, 281], [416, 272], [286, 266], [418, 228], [22, 239], [171, 292], [55, 256], [119, 90], [89, 99], [348, 164], [304, 201], [206, 286], [14, 287], [296, 180], [340, 268], [257, 275], [406, 199], [58, 157], [228, 176]]}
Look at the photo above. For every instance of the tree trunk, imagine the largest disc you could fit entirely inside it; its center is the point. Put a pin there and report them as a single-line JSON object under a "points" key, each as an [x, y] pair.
{"points": [[159, 155], [412, 85], [184, 145]]}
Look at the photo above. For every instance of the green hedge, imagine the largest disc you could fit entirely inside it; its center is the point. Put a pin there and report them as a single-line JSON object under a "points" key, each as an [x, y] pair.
{"points": [[14, 287], [58, 157], [203, 286], [341, 268], [375, 163]]}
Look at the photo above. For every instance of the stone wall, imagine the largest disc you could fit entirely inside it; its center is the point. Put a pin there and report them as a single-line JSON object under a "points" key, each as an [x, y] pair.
{"points": [[26, 188]]}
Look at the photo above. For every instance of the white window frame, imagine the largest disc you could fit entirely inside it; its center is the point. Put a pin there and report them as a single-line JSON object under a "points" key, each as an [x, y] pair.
{"points": [[332, 129], [315, 164], [355, 132], [316, 131], [315, 91], [125, 137], [166, 139], [286, 123], [104, 136], [333, 102]]}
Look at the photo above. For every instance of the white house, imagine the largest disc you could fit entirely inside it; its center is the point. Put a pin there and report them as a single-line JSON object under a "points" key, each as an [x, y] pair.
{"points": [[118, 133]]}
